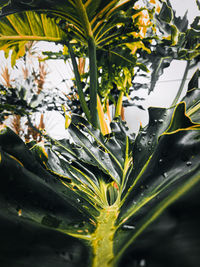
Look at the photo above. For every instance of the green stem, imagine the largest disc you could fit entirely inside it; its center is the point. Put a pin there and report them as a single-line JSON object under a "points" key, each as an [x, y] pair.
{"points": [[78, 82], [182, 84], [81, 9], [93, 81], [102, 238], [119, 104]]}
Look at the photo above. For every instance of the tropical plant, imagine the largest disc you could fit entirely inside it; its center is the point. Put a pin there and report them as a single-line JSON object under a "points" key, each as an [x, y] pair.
{"points": [[183, 44], [92, 200], [108, 33]]}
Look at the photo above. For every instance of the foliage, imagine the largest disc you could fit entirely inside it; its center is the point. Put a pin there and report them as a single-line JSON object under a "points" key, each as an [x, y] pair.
{"points": [[104, 191], [17, 30], [115, 30], [86, 200], [184, 45]]}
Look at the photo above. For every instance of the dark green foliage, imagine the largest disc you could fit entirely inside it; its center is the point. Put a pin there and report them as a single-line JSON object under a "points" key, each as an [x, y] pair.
{"points": [[63, 194]]}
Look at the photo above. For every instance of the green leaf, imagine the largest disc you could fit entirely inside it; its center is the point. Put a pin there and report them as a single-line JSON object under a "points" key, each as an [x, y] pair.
{"points": [[101, 189], [165, 176], [166, 13], [18, 29], [192, 100], [198, 4]]}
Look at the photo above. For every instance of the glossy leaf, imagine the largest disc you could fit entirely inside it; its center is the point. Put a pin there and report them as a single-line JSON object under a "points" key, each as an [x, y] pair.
{"points": [[17, 30], [112, 26], [97, 189]]}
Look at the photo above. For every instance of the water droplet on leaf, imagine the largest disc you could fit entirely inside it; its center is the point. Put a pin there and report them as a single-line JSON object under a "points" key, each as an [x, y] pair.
{"points": [[19, 212], [165, 175], [142, 263], [66, 256], [189, 163], [128, 227]]}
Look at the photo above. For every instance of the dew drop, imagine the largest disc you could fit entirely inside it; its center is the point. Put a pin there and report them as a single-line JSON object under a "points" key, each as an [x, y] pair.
{"points": [[149, 143], [128, 227], [142, 263], [154, 134], [19, 212], [66, 256], [160, 121], [78, 200], [160, 161], [155, 121], [189, 163], [143, 133], [165, 175], [140, 149]]}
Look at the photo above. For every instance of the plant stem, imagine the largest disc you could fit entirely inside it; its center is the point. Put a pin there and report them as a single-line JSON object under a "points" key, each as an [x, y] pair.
{"points": [[78, 82], [93, 81], [182, 84], [119, 104], [102, 238], [92, 61]]}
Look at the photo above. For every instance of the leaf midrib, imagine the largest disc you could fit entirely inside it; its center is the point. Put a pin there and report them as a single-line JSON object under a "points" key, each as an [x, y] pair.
{"points": [[29, 38]]}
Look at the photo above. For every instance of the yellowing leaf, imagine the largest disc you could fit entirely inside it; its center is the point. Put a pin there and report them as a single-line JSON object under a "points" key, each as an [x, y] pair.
{"points": [[103, 124], [18, 29], [137, 45]]}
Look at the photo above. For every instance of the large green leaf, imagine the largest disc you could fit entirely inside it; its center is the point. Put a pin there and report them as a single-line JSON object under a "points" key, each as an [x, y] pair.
{"points": [[17, 30], [98, 190], [108, 26], [35, 205], [109, 23]]}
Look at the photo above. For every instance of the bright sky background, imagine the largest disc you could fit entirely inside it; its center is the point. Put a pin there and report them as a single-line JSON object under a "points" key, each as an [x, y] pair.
{"points": [[162, 96], [169, 82]]}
